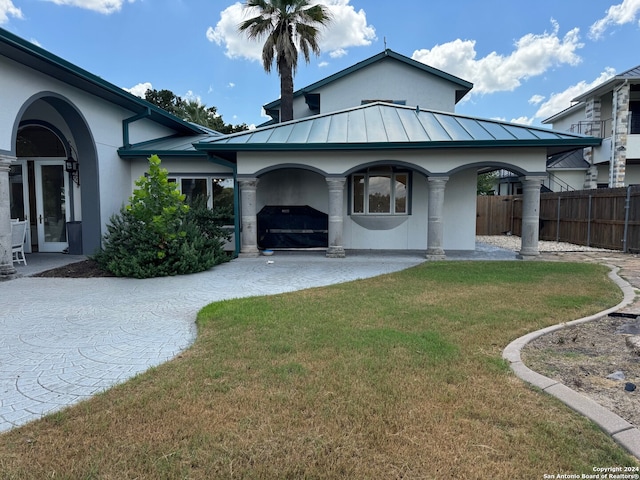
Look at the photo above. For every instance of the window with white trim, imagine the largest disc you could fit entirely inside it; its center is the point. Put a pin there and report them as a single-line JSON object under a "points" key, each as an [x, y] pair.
{"points": [[380, 192]]}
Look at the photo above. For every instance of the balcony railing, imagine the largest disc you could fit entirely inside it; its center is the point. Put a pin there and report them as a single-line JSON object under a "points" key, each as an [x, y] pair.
{"points": [[599, 129]]}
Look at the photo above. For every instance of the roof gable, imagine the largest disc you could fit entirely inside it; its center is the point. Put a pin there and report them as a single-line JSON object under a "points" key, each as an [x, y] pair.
{"points": [[41, 60], [632, 75], [463, 87]]}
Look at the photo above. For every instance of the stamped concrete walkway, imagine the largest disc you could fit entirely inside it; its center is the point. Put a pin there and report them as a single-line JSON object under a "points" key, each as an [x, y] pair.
{"points": [[63, 340]]}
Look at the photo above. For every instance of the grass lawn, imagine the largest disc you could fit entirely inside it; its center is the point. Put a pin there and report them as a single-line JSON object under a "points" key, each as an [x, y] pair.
{"points": [[398, 376]]}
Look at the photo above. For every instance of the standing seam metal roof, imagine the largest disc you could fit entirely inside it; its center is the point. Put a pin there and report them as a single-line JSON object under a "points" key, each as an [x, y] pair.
{"points": [[381, 123]]}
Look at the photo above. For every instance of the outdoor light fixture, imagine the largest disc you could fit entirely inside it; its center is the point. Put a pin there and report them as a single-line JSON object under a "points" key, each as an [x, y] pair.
{"points": [[71, 166]]}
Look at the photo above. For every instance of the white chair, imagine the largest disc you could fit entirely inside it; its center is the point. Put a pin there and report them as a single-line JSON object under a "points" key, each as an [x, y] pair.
{"points": [[18, 237]]}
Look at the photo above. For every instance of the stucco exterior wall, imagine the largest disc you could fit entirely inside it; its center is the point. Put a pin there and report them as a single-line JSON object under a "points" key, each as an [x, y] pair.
{"points": [[460, 211], [574, 178], [564, 123], [25, 94], [293, 187], [385, 80], [428, 161]]}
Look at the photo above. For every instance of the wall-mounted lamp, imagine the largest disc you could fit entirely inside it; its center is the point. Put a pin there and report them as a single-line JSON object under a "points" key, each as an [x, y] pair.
{"points": [[71, 166]]}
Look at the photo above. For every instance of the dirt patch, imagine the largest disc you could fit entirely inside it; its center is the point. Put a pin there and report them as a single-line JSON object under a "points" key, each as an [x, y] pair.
{"points": [[83, 269], [584, 357]]}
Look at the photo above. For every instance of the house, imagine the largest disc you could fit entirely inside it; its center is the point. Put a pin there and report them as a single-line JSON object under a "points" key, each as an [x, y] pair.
{"points": [[367, 174], [610, 111]]}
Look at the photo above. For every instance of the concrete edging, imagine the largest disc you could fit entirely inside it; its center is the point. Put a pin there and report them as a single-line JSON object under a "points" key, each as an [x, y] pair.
{"points": [[618, 428]]}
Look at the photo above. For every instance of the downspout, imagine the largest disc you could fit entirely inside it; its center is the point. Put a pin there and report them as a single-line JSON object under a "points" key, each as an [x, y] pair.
{"points": [[627, 207], [127, 121], [236, 200]]}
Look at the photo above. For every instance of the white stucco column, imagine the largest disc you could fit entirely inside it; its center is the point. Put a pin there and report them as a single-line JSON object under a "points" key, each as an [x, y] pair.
{"points": [[530, 217], [435, 227], [7, 270], [336, 218], [249, 227]]}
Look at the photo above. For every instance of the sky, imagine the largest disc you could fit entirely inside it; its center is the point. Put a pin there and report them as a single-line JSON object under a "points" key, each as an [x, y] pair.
{"points": [[527, 60]]}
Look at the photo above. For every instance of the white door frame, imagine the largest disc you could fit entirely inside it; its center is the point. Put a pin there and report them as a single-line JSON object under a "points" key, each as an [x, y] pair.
{"points": [[45, 243]]}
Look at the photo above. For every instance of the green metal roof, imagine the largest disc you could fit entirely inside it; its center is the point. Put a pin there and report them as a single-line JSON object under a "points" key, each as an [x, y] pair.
{"points": [[26, 53], [464, 86], [379, 126], [181, 146]]}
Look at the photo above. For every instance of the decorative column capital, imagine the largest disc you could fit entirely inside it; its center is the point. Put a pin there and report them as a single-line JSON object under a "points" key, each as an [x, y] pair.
{"points": [[6, 161], [439, 181], [248, 183], [336, 183]]}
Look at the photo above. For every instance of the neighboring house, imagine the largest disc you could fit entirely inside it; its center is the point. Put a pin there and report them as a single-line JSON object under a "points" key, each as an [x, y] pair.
{"points": [[610, 111], [565, 172], [372, 176]]}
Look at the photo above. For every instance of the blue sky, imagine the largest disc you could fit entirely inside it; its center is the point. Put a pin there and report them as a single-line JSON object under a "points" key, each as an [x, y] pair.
{"points": [[527, 60]]}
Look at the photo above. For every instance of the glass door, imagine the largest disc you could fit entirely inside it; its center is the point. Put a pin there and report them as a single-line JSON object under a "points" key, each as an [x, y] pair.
{"points": [[19, 196], [51, 205]]}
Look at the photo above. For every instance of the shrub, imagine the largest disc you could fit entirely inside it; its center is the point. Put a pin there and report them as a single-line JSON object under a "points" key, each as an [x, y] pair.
{"points": [[157, 234]]}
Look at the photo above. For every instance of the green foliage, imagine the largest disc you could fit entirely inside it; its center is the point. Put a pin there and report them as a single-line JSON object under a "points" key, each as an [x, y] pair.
{"points": [[191, 111], [157, 234], [487, 183]]}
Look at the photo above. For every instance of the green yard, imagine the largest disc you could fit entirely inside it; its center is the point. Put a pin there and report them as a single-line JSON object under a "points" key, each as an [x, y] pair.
{"points": [[398, 376]]}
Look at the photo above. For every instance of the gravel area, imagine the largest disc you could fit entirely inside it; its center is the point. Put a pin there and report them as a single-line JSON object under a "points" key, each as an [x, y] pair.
{"points": [[512, 242]]}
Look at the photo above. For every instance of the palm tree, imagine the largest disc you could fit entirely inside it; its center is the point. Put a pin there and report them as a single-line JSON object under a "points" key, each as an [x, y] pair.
{"points": [[288, 25]]}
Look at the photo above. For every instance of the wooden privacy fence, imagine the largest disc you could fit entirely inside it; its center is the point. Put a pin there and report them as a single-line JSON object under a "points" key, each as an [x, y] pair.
{"points": [[603, 218]]}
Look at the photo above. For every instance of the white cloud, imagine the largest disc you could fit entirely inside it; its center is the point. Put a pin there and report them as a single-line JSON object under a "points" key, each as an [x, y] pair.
{"points": [[323, 64], [7, 9], [140, 89], [101, 6], [192, 97], [340, 52], [625, 12], [532, 56], [348, 28], [536, 99], [231, 85], [522, 120], [562, 100]]}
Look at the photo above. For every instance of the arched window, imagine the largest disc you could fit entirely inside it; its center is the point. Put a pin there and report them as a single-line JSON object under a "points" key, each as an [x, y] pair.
{"points": [[38, 141]]}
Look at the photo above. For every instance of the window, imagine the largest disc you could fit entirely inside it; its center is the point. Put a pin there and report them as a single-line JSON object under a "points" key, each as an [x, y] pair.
{"points": [[218, 190], [37, 141], [634, 120], [380, 192], [394, 102]]}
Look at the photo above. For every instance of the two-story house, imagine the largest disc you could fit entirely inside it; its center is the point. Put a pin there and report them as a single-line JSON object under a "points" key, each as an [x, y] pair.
{"points": [[610, 111], [376, 157]]}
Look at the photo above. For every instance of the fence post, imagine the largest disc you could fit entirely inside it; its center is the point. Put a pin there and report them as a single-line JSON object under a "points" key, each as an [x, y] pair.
{"points": [[627, 207], [589, 223], [558, 221]]}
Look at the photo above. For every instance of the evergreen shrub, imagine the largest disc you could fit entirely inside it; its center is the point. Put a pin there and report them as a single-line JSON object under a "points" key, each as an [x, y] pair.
{"points": [[158, 234]]}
